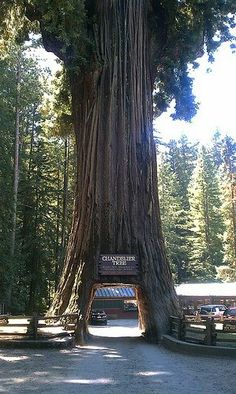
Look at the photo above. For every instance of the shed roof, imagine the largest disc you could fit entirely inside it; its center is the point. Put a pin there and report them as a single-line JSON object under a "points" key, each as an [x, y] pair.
{"points": [[115, 292], [207, 289]]}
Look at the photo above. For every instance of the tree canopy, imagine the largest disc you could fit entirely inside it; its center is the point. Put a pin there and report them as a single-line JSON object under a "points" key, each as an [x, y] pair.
{"points": [[180, 32], [197, 194], [28, 276]]}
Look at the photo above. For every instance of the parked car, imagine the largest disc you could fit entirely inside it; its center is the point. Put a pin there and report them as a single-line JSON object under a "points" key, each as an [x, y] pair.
{"points": [[212, 310], [230, 312], [188, 310], [98, 317]]}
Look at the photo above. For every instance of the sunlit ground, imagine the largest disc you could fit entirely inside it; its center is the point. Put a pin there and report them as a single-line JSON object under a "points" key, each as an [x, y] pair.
{"points": [[113, 365], [114, 328], [117, 328]]}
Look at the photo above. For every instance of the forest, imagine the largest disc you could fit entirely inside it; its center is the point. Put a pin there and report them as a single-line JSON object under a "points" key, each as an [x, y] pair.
{"points": [[197, 200], [196, 189], [124, 62], [36, 183]]}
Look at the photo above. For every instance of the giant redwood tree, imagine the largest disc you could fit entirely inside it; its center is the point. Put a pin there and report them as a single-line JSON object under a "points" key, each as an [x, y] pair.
{"points": [[117, 53]]}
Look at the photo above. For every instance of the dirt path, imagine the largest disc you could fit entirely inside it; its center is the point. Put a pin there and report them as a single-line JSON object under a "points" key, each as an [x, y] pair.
{"points": [[114, 365]]}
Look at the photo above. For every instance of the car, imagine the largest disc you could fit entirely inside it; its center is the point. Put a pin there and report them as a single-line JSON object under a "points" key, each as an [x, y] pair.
{"points": [[230, 312], [98, 316], [212, 310]]}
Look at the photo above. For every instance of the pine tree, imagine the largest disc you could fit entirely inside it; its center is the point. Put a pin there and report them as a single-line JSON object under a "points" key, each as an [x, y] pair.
{"points": [[44, 193], [7, 97], [217, 150], [228, 198], [181, 156], [174, 219], [205, 219]]}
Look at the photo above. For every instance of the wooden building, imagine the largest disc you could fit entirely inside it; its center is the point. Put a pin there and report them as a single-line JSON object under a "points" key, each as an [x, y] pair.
{"points": [[120, 302], [196, 294], [117, 302]]}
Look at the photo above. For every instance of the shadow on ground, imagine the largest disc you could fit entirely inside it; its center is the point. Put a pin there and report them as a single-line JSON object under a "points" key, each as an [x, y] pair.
{"points": [[113, 365]]}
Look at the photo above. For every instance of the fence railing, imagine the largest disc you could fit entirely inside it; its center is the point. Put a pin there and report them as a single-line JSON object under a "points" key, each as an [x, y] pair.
{"points": [[208, 331], [37, 326]]}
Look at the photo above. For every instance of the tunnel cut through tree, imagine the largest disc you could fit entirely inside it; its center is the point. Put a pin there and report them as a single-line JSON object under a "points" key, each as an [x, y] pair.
{"points": [[116, 52]]}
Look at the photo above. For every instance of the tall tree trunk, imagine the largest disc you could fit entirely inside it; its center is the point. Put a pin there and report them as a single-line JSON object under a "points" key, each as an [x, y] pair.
{"points": [[16, 174], [58, 218], [62, 213], [116, 207], [65, 194], [16, 157], [34, 256]]}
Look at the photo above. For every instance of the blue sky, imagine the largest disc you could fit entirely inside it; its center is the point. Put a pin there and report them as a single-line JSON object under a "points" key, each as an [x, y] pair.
{"points": [[215, 91]]}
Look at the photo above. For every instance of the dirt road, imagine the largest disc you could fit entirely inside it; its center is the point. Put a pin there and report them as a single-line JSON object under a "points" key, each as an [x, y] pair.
{"points": [[109, 365]]}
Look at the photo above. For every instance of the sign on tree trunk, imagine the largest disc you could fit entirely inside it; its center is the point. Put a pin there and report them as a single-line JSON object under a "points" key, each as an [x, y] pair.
{"points": [[118, 264]]}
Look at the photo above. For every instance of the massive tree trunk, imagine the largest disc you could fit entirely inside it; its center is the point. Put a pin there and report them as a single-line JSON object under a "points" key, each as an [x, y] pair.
{"points": [[116, 207]]}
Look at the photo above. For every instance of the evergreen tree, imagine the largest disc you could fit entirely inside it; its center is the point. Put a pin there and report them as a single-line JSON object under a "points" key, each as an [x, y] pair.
{"points": [[179, 161], [174, 219], [181, 156], [205, 219], [187, 157], [42, 210], [228, 198], [217, 151], [42, 203], [7, 96]]}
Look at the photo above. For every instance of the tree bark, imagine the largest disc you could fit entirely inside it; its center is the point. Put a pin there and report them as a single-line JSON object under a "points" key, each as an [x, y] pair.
{"points": [[116, 207], [35, 257], [16, 157], [65, 196], [16, 175]]}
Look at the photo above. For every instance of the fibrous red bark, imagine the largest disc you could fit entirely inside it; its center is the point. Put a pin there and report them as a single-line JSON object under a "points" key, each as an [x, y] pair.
{"points": [[116, 207]]}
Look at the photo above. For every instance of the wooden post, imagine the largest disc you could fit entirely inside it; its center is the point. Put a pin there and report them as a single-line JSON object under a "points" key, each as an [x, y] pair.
{"points": [[213, 333], [183, 329], [210, 337], [198, 316], [180, 333], [34, 326], [171, 326], [32, 329]]}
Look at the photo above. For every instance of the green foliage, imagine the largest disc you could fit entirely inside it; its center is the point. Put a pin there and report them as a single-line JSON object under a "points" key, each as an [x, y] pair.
{"points": [[175, 171], [205, 218], [65, 30], [14, 26], [43, 213], [7, 125], [182, 156], [227, 172], [197, 204], [58, 111], [40, 211], [174, 220], [185, 29], [180, 31]]}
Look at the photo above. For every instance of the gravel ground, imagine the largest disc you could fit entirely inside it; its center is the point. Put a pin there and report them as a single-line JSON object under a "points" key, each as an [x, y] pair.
{"points": [[120, 363]]}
